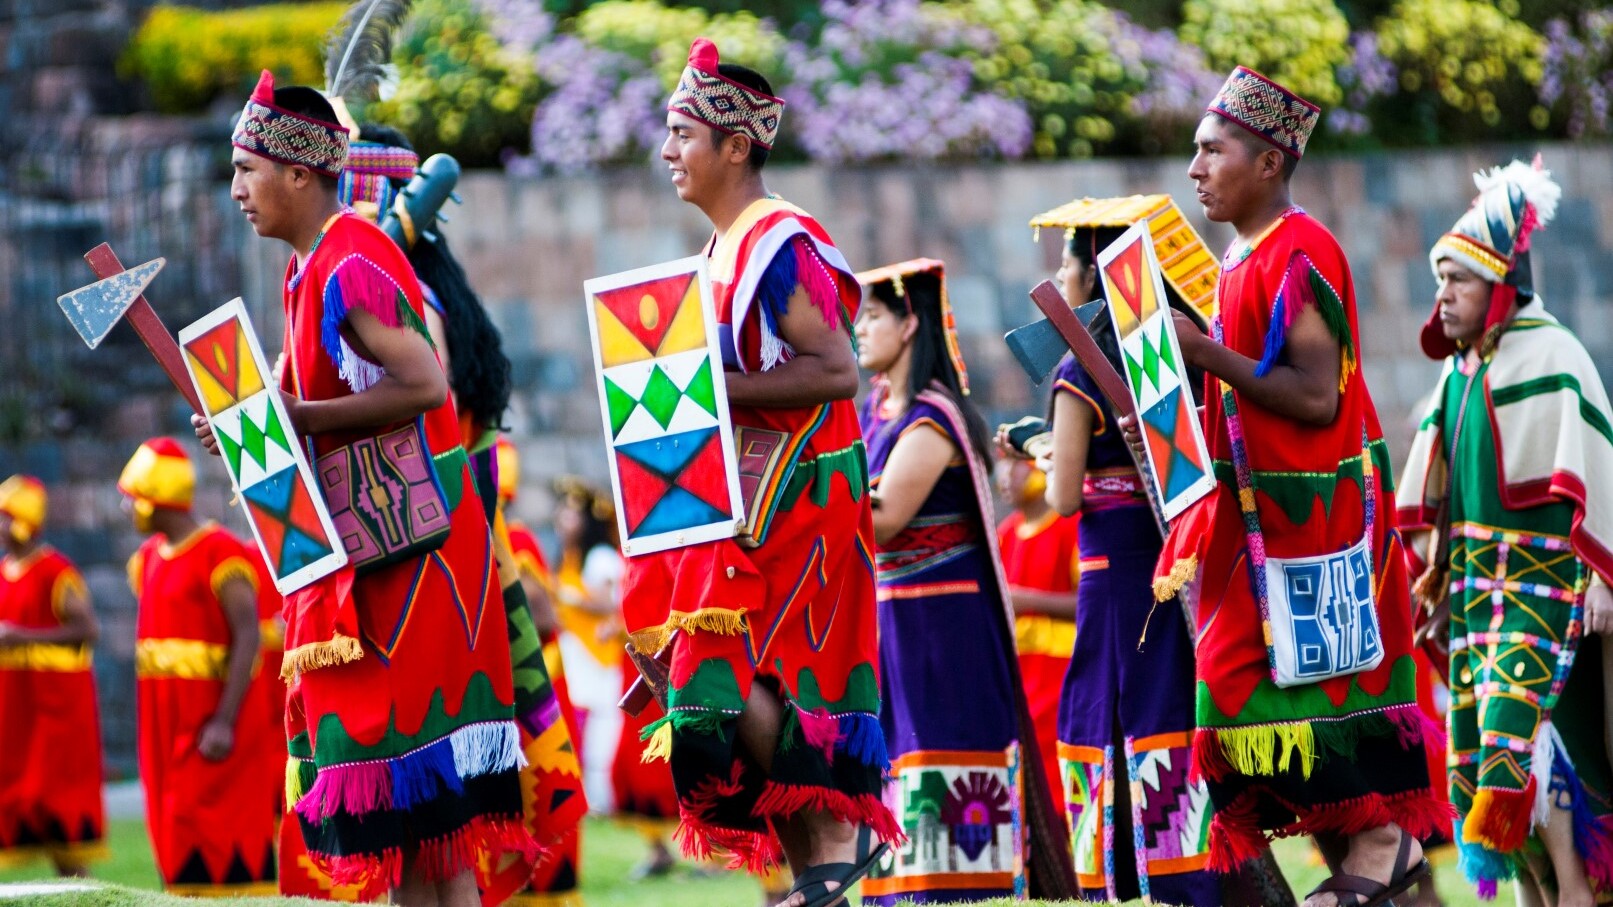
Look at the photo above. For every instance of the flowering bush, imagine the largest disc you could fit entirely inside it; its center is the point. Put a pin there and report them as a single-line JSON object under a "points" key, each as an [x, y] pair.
{"points": [[863, 93], [1577, 71], [189, 57], [1299, 43], [1461, 63], [1083, 71], [460, 90]]}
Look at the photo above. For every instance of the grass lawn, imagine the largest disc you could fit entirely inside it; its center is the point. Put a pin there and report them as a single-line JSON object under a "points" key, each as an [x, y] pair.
{"points": [[609, 853]]}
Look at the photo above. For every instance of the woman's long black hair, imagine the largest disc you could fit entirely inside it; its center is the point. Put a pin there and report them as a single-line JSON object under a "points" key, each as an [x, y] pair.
{"points": [[928, 360], [479, 370]]}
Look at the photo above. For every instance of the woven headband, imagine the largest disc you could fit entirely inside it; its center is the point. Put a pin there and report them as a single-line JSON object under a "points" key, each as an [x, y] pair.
{"points": [[289, 138], [722, 103], [1267, 109]]}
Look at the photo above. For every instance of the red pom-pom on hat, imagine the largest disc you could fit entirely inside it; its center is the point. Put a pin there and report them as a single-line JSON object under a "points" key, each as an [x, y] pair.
{"points": [[167, 447], [264, 93], [703, 55]]}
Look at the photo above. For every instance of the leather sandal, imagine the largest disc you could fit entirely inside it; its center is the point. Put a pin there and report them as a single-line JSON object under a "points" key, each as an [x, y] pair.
{"points": [[813, 881], [1365, 892]]}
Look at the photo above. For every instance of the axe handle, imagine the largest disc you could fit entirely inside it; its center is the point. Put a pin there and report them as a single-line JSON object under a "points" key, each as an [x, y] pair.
{"points": [[143, 318], [652, 682], [1048, 298]]}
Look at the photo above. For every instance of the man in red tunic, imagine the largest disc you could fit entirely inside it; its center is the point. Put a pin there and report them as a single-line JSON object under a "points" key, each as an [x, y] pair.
{"points": [[773, 729], [50, 762], [210, 762], [404, 746], [1307, 714]]}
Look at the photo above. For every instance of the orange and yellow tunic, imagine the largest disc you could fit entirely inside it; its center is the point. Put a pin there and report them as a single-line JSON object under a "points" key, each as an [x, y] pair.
{"points": [[50, 764], [212, 824]]}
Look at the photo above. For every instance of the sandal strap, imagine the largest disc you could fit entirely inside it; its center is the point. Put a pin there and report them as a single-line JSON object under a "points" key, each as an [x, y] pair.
{"points": [[1350, 884], [823, 872]]}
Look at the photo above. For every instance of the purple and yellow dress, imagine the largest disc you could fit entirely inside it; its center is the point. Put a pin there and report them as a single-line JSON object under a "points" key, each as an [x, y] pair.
{"points": [[948, 706], [1123, 656]]}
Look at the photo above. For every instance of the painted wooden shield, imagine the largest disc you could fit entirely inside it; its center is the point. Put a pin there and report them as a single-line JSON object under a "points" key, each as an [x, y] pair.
{"points": [[262, 454], [665, 406], [1154, 370]]}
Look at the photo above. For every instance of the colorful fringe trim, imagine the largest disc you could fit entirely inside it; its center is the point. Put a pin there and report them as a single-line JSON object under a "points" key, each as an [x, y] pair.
{"points": [[358, 788], [1266, 749], [723, 621], [1236, 836], [357, 282], [1303, 285], [337, 650], [1182, 573], [438, 860], [797, 264]]}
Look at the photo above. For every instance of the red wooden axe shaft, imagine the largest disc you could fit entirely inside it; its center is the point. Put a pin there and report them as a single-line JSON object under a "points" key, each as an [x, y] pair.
{"points": [[143, 318]]}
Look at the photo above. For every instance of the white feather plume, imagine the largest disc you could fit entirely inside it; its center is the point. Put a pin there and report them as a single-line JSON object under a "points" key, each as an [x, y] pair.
{"points": [[1539, 189]]}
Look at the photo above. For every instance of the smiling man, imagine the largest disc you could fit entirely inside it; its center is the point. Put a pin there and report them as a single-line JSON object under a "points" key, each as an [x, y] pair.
{"points": [[1513, 472], [1306, 686], [404, 747], [773, 709]]}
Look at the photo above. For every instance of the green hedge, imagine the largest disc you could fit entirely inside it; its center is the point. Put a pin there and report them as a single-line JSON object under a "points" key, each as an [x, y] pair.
{"points": [[189, 57]]}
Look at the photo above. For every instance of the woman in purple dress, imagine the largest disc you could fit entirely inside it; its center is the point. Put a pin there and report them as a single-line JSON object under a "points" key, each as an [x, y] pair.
{"points": [[1139, 825], [951, 707]]}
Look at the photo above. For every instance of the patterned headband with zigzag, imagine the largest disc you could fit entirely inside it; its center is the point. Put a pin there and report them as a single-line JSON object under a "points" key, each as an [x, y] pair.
{"points": [[721, 103], [289, 138]]}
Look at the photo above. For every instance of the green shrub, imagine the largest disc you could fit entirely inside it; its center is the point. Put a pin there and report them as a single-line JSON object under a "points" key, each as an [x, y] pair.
{"points": [[1060, 59], [1299, 43], [647, 30], [1462, 63], [459, 91], [189, 57]]}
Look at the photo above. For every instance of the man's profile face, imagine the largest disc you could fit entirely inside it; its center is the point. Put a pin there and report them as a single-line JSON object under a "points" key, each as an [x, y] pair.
{"points": [[1225, 170], [1463, 300], [263, 189], [693, 156]]}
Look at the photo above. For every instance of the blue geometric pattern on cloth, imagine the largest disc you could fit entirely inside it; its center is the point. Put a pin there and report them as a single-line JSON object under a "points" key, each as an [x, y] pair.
{"points": [[1323, 619]]}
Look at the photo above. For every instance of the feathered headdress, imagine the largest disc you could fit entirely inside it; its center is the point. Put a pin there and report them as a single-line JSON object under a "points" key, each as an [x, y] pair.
{"points": [[1492, 240], [359, 48]]}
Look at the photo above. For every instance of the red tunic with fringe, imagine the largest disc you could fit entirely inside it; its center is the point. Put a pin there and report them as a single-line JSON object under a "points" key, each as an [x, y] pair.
{"points": [[50, 764], [797, 612], [212, 824], [1341, 755], [401, 725]]}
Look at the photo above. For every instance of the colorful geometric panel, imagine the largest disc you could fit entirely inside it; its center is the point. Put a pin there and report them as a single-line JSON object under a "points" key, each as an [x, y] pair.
{"points": [[664, 406], [222, 363], [266, 463], [1155, 373], [1082, 769], [1168, 426], [1170, 808], [651, 319], [957, 809]]}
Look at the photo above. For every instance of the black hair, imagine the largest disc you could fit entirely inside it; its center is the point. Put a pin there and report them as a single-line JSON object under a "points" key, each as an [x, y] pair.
{"points": [[755, 81], [1084, 243], [929, 362], [1258, 145], [480, 370], [305, 101]]}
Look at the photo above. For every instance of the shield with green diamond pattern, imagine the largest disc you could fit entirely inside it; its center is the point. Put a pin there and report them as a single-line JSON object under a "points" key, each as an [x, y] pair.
{"points": [[665, 410], [1154, 370]]}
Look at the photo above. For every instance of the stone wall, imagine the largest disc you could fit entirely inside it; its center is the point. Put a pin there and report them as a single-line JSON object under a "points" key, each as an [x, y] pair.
{"points": [[157, 187]]}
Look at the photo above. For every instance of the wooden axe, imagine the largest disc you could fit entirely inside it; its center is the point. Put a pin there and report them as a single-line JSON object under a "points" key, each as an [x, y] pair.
{"points": [[95, 309], [655, 672]]}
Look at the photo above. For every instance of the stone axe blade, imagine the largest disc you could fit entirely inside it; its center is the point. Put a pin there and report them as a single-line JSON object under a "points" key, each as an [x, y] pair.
{"points": [[143, 318], [94, 309], [1038, 347]]}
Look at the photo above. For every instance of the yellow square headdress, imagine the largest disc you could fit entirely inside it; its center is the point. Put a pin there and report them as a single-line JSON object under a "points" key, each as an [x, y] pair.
{"points": [[1189, 267], [897, 276], [160, 474]]}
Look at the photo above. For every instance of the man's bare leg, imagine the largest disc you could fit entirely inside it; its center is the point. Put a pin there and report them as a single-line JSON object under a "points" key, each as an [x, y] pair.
{"points": [[460, 891], [812, 837], [1573, 885], [412, 889], [1371, 855]]}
